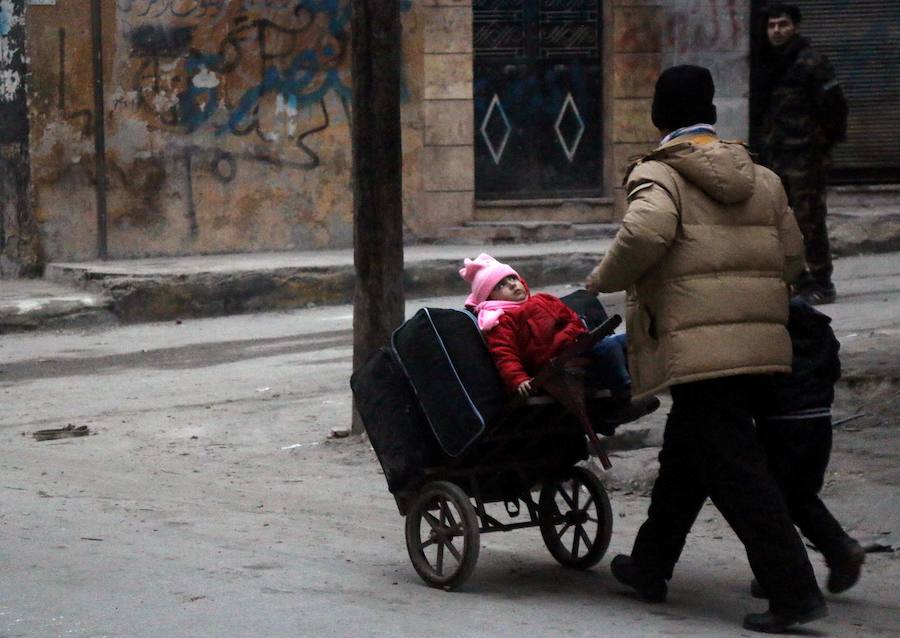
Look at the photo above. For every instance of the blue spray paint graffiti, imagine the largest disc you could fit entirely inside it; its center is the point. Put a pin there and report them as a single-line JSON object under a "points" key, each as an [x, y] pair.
{"points": [[292, 59], [273, 70]]}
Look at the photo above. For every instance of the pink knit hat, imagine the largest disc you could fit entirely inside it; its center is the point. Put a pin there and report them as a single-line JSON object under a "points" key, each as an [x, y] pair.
{"points": [[483, 273]]}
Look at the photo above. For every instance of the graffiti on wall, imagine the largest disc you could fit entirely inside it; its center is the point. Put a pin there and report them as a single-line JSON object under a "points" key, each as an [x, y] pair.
{"points": [[10, 51], [230, 115], [267, 73], [247, 81]]}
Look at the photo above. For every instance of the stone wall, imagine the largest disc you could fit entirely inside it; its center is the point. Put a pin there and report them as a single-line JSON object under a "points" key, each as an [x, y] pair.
{"points": [[714, 34], [227, 125], [651, 36], [227, 122], [637, 44], [448, 169]]}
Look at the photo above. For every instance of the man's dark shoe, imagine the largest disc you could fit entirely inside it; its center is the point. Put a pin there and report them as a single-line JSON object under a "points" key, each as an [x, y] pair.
{"points": [[818, 295], [776, 623], [845, 570], [756, 590], [607, 415], [648, 588]]}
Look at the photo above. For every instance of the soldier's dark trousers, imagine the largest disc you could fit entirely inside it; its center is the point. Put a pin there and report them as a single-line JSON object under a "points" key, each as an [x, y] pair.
{"points": [[805, 184], [797, 451], [710, 449]]}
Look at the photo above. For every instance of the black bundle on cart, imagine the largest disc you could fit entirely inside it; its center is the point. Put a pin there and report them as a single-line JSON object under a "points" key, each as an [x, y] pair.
{"points": [[451, 443]]}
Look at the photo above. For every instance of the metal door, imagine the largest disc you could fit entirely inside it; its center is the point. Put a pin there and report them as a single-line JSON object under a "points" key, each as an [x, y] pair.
{"points": [[538, 106]]}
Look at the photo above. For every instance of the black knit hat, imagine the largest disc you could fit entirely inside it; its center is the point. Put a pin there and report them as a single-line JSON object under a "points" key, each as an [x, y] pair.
{"points": [[683, 96]]}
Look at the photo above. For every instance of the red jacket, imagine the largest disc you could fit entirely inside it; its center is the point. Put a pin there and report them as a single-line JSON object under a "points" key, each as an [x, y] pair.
{"points": [[529, 335]]}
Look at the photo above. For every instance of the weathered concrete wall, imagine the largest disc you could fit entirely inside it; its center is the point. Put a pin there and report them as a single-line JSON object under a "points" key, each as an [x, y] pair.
{"points": [[714, 34], [637, 45], [449, 156], [228, 121], [18, 238], [227, 125], [649, 36]]}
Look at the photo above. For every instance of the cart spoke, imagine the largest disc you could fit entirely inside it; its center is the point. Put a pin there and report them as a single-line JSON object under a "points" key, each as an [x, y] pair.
{"points": [[453, 550], [432, 520], [439, 564], [447, 514], [565, 529], [589, 502], [562, 492], [576, 540], [428, 543], [593, 520], [585, 537]]}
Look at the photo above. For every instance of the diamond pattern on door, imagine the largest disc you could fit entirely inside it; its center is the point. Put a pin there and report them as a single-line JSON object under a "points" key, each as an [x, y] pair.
{"points": [[568, 111], [489, 129]]}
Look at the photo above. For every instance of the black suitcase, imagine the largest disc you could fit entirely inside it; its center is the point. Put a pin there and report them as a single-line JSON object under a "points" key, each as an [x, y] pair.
{"points": [[452, 373], [393, 420]]}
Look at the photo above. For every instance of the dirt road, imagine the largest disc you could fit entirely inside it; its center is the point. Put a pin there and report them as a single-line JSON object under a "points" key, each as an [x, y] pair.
{"points": [[208, 501]]}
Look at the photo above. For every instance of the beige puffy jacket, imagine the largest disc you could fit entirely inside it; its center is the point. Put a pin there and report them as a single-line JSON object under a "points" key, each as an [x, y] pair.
{"points": [[705, 250]]}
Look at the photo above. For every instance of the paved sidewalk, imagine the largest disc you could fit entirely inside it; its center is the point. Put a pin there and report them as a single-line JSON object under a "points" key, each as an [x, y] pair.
{"points": [[202, 286], [157, 289], [28, 304]]}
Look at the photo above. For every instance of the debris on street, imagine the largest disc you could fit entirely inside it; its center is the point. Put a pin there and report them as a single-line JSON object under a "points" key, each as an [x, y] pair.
{"points": [[61, 433]]}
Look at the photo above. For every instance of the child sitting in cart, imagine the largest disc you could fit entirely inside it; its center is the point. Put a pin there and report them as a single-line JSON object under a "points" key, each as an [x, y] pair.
{"points": [[524, 331]]}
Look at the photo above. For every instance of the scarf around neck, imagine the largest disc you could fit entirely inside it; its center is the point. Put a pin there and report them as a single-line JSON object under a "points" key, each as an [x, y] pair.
{"points": [[694, 129], [489, 312]]}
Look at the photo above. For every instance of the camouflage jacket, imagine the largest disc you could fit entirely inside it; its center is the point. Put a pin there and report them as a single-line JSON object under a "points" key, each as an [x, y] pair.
{"points": [[805, 109]]}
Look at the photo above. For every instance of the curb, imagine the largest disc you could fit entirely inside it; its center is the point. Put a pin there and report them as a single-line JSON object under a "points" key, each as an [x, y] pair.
{"points": [[142, 298], [134, 291], [75, 311], [853, 233]]}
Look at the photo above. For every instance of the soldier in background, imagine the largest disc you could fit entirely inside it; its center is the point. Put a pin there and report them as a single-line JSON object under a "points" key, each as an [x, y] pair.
{"points": [[803, 115]]}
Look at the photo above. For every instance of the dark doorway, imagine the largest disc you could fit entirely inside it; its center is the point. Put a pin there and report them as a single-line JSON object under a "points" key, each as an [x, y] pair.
{"points": [[537, 91], [860, 38]]}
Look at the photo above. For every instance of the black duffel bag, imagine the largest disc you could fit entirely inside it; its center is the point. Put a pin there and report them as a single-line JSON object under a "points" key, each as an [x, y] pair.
{"points": [[393, 419]]}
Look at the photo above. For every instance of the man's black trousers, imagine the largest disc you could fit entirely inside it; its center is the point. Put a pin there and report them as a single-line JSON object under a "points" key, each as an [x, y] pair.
{"points": [[710, 449], [798, 451]]}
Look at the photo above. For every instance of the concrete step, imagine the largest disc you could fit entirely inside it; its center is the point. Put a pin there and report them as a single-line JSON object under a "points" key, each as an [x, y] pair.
{"points": [[579, 211], [30, 304], [158, 289], [853, 231], [866, 197], [475, 233]]}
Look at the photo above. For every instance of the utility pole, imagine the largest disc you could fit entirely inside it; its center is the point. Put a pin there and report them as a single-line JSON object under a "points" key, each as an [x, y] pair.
{"points": [[378, 302], [99, 126]]}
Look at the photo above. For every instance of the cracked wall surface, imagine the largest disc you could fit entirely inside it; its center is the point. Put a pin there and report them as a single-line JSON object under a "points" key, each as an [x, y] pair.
{"points": [[227, 125]]}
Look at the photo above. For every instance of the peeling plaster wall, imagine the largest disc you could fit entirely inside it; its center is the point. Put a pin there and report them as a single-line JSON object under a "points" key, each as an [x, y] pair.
{"points": [[714, 34], [11, 80], [227, 125], [650, 36], [19, 254]]}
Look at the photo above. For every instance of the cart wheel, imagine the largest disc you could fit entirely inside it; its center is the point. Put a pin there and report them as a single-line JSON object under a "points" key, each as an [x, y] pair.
{"points": [[444, 549], [576, 519]]}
